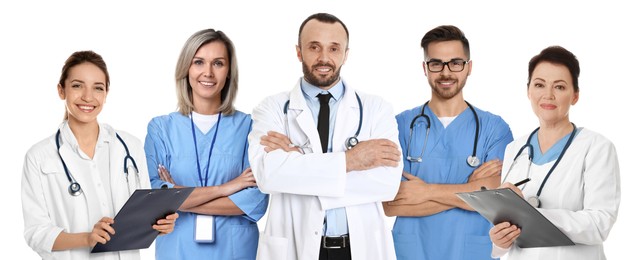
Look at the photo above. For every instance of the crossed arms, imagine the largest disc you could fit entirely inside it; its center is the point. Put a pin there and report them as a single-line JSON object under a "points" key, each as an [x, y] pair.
{"points": [[418, 198]]}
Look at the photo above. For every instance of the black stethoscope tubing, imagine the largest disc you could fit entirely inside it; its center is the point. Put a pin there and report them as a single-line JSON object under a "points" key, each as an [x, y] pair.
{"points": [[534, 200], [472, 160], [351, 141], [127, 157], [561, 155], [410, 136], [74, 187]]}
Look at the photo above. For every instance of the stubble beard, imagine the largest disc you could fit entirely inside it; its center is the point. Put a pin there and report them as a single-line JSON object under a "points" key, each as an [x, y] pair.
{"points": [[319, 82], [447, 93]]}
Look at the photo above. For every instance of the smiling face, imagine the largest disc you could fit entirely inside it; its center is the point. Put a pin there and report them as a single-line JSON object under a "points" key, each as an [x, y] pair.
{"points": [[323, 50], [208, 73], [551, 92], [446, 84], [84, 93]]}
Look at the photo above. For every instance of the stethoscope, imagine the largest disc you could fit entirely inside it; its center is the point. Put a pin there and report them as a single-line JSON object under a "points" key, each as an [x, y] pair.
{"points": [[472, 160], [534, 200], [350, 142], [74, 187]]}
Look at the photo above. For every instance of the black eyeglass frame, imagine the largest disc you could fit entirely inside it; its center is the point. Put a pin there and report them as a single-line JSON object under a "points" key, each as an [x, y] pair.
{"points": [[447, 64]]}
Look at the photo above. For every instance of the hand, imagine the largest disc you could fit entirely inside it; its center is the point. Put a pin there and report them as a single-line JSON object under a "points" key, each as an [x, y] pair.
{"points": [[246, 179], [504, 234], [165, 175], [101, 232], [274, 140], [371, 154], [411, 192], [167, 224], [512, 187], [487, 169]]}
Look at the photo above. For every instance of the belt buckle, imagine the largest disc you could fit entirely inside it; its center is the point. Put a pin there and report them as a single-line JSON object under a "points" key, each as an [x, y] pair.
{"points": [[343, 237]]}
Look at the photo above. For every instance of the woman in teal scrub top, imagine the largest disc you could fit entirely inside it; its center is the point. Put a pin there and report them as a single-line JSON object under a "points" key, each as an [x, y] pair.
{"points": [[204, 145]]}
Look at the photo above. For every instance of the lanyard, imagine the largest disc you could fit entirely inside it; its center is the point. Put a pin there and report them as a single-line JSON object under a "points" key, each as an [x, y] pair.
{"points": [[197, 156]]}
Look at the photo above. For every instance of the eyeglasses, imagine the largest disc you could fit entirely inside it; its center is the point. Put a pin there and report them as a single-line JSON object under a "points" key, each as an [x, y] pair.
{"points": [[454, 65]]}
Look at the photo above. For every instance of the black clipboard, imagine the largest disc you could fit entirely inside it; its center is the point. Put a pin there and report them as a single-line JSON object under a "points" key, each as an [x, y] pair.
{"points": [[504, 204], [133, 223]]}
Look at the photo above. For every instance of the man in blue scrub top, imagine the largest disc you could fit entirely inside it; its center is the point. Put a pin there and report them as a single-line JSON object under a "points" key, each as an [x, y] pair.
{"points": [[449, 146]]}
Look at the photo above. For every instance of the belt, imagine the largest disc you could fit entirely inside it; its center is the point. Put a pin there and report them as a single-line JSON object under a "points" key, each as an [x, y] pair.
{"points": [[336, 242]]}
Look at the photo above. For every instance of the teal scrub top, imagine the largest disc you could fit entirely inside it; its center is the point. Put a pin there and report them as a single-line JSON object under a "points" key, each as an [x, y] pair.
{"points": [[454, 234], [169, 142]]}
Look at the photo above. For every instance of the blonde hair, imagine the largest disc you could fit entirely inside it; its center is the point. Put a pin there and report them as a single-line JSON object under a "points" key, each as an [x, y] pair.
{"points": [[182, 86]]}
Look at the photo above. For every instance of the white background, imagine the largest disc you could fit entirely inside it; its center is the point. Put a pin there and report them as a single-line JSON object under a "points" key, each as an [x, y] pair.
{"points": [[140, 41]]}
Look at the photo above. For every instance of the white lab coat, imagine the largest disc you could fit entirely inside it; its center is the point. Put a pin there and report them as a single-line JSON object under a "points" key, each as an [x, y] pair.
{"points": [[304, 186], [581, 197], [49, 209]]}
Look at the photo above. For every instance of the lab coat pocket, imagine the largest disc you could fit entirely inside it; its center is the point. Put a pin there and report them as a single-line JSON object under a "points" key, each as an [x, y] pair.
{"points": [[53, 175], [54, 185], [477, 247], [51, 167], [244, 241], [408, 246], [272, 248]]}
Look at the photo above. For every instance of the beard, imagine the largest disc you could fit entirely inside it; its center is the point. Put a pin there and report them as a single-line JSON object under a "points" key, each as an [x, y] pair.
{"points": [[317, 81], [450, 92]]}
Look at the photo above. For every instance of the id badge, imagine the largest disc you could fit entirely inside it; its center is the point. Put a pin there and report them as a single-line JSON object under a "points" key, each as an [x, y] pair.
{"points": [[204, 229]]}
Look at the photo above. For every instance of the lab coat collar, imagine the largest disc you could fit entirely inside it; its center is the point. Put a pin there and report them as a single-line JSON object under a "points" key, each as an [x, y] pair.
{"points": [[67, 139], [345, 124], [348, 119], [69, 149], [311, 91], [299, 112], [297, 101]]}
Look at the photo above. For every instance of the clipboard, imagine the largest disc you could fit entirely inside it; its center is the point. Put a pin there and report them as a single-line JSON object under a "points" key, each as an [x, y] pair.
{"points": [[133, 223], [504, 204]]}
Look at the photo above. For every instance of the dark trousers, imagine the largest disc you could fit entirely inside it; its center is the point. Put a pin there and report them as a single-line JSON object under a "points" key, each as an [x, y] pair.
{"points": [[341, 253]]}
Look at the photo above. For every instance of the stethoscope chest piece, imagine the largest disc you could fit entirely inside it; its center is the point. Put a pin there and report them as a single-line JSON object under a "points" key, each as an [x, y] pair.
{"points": [[75, 189], [414, 159], [534, 201], [351, 142], [473, 161]]}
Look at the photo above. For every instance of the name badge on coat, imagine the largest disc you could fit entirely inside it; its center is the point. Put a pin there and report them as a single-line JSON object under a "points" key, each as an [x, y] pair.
{"points": [[204, 229]]}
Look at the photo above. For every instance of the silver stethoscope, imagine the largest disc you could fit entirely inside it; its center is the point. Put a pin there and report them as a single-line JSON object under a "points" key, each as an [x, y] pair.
{"points": [[472, 160], [74, 187], [534, 200], [350, 142]]}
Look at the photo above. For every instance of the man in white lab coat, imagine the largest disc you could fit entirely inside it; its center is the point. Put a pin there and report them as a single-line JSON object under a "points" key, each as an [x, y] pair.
{"points": [[325, 195]]}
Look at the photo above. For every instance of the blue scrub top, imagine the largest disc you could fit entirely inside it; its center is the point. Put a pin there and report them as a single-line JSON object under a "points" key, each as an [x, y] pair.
{"points": [[456, 233], [169, 142]]}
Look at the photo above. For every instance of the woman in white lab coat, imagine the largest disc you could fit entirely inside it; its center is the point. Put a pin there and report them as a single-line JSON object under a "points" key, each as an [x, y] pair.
{"points": [[574, 172], [73, 182]]}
